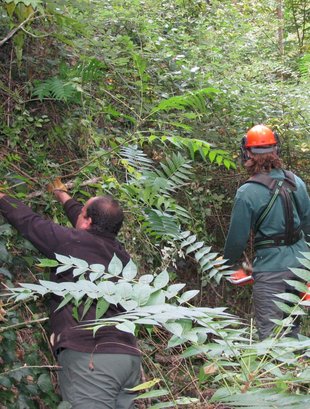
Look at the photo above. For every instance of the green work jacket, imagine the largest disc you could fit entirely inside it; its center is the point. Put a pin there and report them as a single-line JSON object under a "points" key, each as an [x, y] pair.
{"points": [[250, 201]]}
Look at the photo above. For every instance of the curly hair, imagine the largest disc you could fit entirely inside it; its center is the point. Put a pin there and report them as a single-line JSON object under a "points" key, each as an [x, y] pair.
{"points": [[262, 163], [106, 215]]}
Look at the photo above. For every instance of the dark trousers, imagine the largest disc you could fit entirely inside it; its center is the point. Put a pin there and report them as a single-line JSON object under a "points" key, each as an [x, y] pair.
{"points": [[265, 288], [104, 386]]}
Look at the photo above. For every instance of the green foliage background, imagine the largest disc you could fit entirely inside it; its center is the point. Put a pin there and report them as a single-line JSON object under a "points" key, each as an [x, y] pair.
{"points": [[148, 101]]}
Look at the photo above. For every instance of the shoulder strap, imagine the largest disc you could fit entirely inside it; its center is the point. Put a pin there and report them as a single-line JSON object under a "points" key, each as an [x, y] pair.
{"points": [[289, 180], [278, 186], [263, 179], [276, 191]]}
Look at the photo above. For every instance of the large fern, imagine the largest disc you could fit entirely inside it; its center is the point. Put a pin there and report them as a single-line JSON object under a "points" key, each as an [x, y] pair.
{"points": [[153, 188], [136, 158], [87, 69], [203, 148], [194, 100], [56, 88], [162, 217], [161, 224]]}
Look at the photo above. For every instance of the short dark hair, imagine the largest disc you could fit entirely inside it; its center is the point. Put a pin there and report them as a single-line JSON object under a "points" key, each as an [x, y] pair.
{"points": [[106, 215]]}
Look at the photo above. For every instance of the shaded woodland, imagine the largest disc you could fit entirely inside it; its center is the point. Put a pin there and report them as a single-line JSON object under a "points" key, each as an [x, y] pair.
{"points": [[148, 101]]}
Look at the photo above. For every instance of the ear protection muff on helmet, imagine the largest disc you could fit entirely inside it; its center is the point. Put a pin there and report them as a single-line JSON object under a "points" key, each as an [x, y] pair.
{"points": [[243, 151]]}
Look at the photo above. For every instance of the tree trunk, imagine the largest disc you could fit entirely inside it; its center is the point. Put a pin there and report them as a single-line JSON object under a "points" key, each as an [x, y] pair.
{"points": [[280, 26]]}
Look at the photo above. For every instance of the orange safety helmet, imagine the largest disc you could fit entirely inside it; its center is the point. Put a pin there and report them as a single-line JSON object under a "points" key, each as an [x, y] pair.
{"points": [[260, 135], [259, 140]]}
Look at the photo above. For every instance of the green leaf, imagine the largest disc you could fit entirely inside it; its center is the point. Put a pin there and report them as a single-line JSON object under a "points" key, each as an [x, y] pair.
{"points": [[106, 288], [97, 268], [124, 289], [146, 279], [75, 313], [202, 252], [194, 247], [44, 383], [130, 271], [115, 267], [63, 259], [188, 295], [161, 280], [63, 268], [188, 241], [141, 293], [174, 327], [35, 288], [289, 297], [157, 298], [128, 305], [78, 271], [45, 262], [65, 301], [144, 385], [101, 308], [127, 326], [174, 289], [94, 276], [301, 273], [301, 287], [81, 264]]}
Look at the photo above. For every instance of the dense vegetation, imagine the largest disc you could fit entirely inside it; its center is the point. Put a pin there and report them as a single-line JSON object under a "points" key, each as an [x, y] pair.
{"points": [[148, 101]]}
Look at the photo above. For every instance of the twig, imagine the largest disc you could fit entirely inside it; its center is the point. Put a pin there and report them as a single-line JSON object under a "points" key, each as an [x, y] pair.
{"points": [[33, 35], [22, 324], [23, 173], [68, 185], [12, 32], [29, 367]]}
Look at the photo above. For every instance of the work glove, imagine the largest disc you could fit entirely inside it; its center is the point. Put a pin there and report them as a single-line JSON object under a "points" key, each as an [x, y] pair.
{"points": [[247, 268], [56, 184]]}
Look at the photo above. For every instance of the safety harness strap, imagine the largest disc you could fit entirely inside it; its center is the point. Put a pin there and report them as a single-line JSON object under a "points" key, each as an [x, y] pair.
{"points": [[284, 189]]}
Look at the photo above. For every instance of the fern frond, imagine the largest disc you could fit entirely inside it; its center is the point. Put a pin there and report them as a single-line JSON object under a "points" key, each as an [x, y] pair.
{"points": [[60, 90], [55, 88], [176, 170], [194, 100], [89, 69], [161, 224], [204, 148], [209, 266], [136, 158], [41, 89]]}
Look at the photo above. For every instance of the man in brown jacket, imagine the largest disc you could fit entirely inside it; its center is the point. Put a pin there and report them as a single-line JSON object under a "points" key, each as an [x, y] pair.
{"points": [[115, 356]]}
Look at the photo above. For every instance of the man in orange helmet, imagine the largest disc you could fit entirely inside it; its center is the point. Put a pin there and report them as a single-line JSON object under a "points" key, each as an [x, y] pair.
{"points": [[275, 205]]}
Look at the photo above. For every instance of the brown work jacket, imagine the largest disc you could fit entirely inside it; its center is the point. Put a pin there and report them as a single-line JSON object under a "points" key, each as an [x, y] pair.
{"points": [[50, 238]]}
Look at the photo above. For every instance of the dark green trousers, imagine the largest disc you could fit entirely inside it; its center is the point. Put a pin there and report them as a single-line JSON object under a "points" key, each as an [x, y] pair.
{"points": [[104, 386], [266, 286]]}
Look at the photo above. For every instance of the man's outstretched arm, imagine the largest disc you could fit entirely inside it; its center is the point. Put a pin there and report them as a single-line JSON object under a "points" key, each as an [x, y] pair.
{"points": [[71, 206]]}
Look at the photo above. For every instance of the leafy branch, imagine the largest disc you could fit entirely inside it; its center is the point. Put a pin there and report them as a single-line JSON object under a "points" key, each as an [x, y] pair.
{"points": [[234, 360]]}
